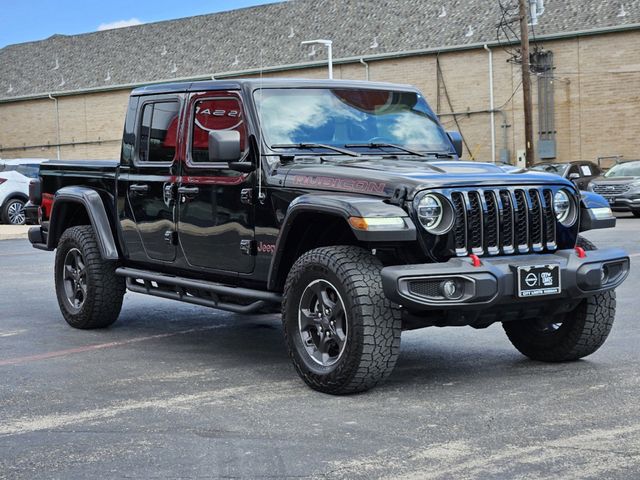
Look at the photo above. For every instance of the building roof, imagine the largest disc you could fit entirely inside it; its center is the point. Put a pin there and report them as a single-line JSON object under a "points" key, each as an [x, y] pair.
{"points": [[269, 36]]}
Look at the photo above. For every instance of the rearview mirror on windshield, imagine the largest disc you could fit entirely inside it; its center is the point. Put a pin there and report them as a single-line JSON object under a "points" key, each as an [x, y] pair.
{"points": [[456, 140]]}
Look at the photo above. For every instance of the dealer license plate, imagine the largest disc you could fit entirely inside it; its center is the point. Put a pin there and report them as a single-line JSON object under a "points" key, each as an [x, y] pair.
{"points": [[538, 280]]}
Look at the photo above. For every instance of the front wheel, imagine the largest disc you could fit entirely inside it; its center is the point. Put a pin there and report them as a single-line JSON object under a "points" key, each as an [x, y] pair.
{"points": [[89, 292], [341, 332], [567, 337]]}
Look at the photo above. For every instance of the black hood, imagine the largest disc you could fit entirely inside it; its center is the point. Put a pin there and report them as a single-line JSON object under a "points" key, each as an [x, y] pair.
{"points": [[382, 177]]}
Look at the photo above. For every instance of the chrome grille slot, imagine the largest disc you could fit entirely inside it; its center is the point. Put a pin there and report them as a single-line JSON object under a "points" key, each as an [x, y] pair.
{"points": [[460, 223], [475, 223], [549, 221], [492, 224], [535, 224], [508, 241], [503, 221], [522, 221]]}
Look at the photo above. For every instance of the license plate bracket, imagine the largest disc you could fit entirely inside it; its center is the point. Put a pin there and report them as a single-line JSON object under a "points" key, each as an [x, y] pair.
{"points": [[538, 280]]}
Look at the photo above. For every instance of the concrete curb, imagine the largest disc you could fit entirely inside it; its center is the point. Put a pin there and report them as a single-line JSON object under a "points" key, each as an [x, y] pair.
{"points": [[13, 232]]}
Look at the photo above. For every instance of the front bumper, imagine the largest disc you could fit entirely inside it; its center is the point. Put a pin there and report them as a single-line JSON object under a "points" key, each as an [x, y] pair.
{"points": [[494, 282]]}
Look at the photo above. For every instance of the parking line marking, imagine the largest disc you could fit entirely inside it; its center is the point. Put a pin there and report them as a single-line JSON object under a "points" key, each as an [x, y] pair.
{"points": [[99, 346]]}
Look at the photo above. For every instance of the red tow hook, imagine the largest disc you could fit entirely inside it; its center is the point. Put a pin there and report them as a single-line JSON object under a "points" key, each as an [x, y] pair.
{"points": [[580, 252], [475, 260]]}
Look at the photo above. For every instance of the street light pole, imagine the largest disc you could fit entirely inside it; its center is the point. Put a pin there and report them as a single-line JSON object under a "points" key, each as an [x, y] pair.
{"points": [[329, 45]]}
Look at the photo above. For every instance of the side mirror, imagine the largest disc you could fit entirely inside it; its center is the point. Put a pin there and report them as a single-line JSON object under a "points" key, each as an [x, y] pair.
{"points": [[456, 140], [224, 146], [574, 176]]}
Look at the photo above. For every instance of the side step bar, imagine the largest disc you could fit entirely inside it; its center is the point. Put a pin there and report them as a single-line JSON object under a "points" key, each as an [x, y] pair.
{"points": [[198, 292]]}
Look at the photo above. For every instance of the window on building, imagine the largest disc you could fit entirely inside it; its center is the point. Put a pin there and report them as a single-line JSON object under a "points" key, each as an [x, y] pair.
{"points": [[215, 114], [158, 132]]}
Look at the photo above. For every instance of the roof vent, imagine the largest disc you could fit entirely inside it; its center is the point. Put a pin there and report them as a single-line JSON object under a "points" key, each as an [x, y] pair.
{"points": [[174, 69], [235, 61], [375, 43], [469, 32], [292, 33], [622, 13], [10, 89], [108, 77], [443, 13]]}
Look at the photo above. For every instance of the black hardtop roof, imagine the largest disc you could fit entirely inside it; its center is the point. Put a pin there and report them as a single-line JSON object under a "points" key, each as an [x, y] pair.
{"points": [[252, 83]]}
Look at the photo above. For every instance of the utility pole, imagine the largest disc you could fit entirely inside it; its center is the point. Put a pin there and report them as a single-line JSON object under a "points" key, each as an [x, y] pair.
{"points": [[526, 80]]}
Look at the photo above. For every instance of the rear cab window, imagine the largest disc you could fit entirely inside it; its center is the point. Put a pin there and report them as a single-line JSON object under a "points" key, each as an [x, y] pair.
{"points": [[158, 132]]}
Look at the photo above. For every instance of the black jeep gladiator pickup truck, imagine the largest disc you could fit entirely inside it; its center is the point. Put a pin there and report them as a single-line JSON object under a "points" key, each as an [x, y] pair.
{"points": [[341, 204]]}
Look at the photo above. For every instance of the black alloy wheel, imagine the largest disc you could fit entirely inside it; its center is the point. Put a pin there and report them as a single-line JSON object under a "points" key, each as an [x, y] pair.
{"points": [[322, 322], [74, 277]]}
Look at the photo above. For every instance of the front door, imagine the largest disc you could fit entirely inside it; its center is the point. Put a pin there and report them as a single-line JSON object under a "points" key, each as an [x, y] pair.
{"points": [[150, 182], [215, 215]]}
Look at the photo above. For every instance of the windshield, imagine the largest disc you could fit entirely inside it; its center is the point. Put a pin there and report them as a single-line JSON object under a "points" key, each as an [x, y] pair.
{"points": [[631, 169], [557, 168], [346, 117]]}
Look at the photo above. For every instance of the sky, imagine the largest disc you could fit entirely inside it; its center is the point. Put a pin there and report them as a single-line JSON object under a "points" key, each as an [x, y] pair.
{"points": [[29, 20]]}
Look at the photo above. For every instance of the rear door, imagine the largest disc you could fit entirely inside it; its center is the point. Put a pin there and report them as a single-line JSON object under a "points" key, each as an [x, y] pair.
{"points": [[215, 215], [150, 183]]}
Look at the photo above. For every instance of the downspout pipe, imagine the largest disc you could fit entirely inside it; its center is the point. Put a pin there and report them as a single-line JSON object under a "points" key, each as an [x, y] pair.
{"points": [[366, 67], [491, 104], [57, 125]]}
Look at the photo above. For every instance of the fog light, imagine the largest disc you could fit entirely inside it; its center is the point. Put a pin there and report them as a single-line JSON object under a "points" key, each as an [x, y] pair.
{"points": [[451, 289], [604, 275]]}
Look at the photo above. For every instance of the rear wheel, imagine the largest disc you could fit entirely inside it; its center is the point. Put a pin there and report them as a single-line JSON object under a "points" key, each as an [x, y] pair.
{"points": [[13, 212], [342, 334], [89, 292], [570, 336]]}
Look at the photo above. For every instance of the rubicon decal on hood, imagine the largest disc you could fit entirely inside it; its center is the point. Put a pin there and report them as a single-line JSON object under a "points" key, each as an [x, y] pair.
{"points": [[346, 184]]}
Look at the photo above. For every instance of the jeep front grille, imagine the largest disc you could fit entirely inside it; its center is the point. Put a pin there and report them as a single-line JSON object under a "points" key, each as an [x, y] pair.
{"points": [[503, 220]]}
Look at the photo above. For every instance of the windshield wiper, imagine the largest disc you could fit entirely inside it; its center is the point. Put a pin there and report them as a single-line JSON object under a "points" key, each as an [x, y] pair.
{"points": [[385, 145], [311, 146]]}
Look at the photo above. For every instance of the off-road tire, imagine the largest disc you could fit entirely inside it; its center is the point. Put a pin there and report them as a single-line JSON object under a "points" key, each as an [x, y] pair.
{"points": [[105, 290], [581, 333], [374, 324], [5, 216]]}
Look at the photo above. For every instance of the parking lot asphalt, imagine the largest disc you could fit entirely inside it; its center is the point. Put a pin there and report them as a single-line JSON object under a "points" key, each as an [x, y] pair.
{"points": [[177, 391]]}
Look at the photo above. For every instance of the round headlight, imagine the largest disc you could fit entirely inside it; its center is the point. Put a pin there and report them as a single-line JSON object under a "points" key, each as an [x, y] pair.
{"points": [[564, 208], [435, 214]]}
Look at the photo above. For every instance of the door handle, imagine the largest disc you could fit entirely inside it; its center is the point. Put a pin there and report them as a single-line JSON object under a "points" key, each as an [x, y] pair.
{"points": [[136, 188], [188, 190]]}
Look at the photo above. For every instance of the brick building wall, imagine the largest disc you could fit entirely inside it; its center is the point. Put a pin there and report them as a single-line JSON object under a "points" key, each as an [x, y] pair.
{"points": [[596, 83]]}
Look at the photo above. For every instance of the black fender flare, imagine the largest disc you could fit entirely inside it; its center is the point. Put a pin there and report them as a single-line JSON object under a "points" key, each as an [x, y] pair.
{"points": [[94, 205], [343, 206], [590, 202]]}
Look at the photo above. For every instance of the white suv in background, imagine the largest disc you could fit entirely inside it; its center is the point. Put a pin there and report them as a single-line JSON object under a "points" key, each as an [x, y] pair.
{"points": [[15, 176]]}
